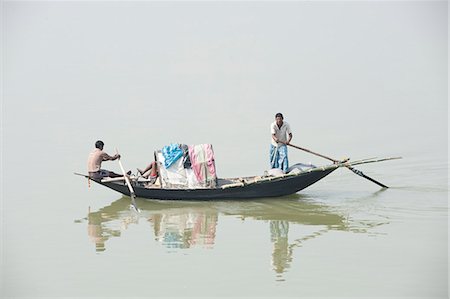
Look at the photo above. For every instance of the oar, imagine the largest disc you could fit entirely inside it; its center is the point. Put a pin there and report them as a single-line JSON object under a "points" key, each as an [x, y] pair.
{"points": [[311, 152], [127, 180], [358, 172]]}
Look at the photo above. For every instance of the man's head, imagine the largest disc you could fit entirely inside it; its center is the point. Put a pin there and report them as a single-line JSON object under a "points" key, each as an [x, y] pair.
{"points": [[279, 119], [99, 144]]}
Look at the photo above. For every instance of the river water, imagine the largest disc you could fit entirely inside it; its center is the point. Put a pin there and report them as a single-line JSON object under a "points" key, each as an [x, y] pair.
{"points": [[342, 237], [151, 73]]}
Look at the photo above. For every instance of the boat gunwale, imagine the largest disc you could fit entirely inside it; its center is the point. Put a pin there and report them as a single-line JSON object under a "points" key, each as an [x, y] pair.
{"points": [[241, 181]]}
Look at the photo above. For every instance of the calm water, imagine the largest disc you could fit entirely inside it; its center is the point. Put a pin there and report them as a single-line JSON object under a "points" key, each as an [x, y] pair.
{"points": [[353, 79], [341, 237]]}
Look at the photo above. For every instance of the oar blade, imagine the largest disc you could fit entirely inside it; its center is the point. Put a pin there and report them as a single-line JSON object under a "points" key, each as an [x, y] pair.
{"points": [[133, 205], [361, 174]]}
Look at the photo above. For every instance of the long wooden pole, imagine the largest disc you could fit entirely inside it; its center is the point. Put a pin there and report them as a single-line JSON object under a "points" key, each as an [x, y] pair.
{"points": [[127, 180], [355, 171], [314, 153]]}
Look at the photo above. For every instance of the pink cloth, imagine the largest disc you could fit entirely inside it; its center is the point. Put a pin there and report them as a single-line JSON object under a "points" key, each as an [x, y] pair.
{"points": [[196, 166], [202, 162], [210, 160]]}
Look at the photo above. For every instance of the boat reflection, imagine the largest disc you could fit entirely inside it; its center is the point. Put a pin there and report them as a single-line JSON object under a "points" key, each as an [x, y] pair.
{"points": [[181, 225], [183, 229], [174, 225]]}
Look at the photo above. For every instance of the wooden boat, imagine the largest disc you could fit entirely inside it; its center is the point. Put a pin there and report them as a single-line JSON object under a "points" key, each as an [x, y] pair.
{"points": [[233, 188]]}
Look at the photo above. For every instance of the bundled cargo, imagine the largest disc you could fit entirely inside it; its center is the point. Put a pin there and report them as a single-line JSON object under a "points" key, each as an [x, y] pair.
{"points": [[189, 167]]}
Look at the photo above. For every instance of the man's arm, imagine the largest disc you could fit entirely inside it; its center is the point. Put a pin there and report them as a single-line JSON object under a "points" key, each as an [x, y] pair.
{"points": [[274, 138], [289, 139], [107, 157]]}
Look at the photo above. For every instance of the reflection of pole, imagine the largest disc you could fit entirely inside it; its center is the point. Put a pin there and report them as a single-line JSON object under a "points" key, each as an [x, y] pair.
{"points": [[282, 254]]}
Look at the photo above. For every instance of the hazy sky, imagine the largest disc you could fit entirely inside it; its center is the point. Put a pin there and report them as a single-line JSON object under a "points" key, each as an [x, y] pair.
{"points": [[358, 78], [354, 79]]}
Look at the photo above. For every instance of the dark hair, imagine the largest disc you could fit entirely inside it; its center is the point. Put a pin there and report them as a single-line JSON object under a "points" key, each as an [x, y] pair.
{"points": [[279, 115], [99, 144]]}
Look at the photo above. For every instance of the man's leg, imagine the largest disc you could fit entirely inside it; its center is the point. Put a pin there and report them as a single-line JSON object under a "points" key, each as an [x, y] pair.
{"points": [[149, 167], [283, 158], [273, 156]]}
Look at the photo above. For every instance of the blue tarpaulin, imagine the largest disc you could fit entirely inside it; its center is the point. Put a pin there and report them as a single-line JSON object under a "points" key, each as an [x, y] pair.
{"points": [[171, 154]]}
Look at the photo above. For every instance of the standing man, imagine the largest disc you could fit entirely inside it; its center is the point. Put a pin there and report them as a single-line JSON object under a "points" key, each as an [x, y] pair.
{"points": [[281, 136], [96, 157]]}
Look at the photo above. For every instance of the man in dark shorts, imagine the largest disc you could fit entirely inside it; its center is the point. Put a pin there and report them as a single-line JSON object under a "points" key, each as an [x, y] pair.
{"points": [[96, 157]]}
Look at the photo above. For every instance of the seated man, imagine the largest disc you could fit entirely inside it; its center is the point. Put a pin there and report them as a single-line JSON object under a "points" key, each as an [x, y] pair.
{"points": [[96, 157], [150, 171]]}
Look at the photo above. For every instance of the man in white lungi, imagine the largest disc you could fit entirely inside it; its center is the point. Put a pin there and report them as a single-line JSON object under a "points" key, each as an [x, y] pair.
{"points": [[281, 136]]}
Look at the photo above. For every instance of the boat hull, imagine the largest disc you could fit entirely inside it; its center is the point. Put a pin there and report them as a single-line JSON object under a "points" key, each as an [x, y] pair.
{"points": [[278, 186]]}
